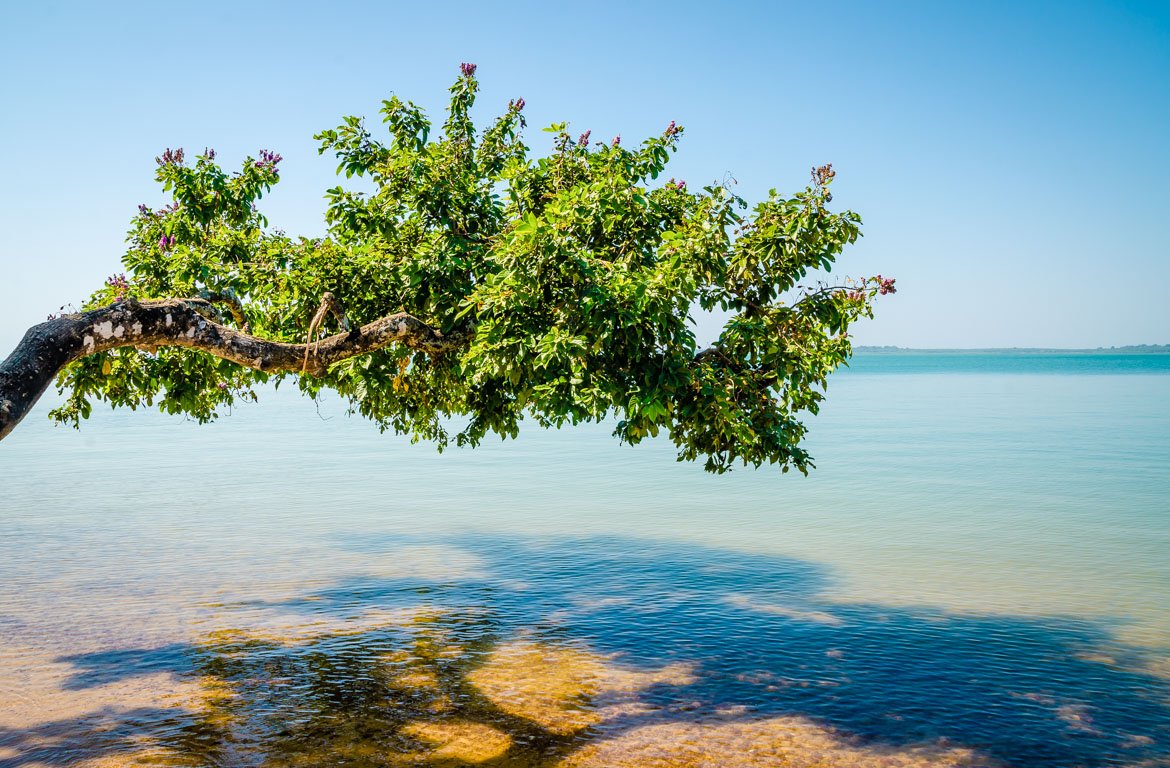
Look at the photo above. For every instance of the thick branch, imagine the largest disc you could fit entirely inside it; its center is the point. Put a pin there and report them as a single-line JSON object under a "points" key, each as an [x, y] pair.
{"points": [[50, 346]]}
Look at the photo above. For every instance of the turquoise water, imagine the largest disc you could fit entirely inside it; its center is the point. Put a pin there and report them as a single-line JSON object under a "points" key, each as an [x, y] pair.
{"points": [[981, 560]]}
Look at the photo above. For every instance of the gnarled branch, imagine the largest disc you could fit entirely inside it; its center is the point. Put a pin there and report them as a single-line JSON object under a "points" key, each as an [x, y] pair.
{"points": [[148, 325], [329, 306], [232, 304]]}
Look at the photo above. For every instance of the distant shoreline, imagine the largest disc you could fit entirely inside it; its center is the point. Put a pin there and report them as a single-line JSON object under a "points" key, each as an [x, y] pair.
{"points": [[1137, 349]]}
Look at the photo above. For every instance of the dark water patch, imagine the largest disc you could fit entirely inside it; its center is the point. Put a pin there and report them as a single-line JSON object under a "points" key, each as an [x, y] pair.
{"points": [[105, 667]]}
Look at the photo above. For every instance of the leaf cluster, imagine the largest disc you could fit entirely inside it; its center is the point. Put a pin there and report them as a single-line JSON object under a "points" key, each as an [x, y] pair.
{"points": [[574, 275]]}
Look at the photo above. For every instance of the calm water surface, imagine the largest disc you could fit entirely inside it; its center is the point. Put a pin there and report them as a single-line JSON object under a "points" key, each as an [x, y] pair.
{"points": [[978, 573]]}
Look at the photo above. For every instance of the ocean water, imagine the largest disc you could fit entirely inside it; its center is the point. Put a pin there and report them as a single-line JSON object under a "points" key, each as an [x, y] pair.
{"points": [[977, 573]]}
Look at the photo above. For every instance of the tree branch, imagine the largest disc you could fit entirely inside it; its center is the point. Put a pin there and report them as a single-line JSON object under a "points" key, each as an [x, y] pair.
{"points": [[148, 325], [329, 306], [233, 304]]}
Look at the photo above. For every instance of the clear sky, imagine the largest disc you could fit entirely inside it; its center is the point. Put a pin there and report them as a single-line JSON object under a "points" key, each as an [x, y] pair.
{"points": [[1011, 160]]}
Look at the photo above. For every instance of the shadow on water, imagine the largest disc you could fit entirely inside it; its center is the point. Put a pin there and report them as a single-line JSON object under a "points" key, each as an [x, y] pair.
{"points": [[547, 647]]}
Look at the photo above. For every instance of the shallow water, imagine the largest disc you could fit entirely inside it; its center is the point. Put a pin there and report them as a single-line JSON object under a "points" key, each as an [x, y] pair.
{"points": [[976, 574]]}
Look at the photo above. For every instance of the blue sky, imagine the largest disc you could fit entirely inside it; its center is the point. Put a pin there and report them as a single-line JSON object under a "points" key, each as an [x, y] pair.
{"points": [[1010, 160]]}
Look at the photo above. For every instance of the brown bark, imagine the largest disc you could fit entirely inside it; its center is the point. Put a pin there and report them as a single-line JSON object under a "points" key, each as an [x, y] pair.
{"points": [[148, 325]]}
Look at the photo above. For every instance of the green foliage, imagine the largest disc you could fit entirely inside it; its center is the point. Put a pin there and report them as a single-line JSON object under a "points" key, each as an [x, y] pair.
{"points": [[575, 273]]}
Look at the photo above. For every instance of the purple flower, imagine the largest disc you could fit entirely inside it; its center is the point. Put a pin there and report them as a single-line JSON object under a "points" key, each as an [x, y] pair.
{"points": [[467, 69], [142, 209], [170, 157], [268, 160], [617, 140], [884, 284], [583, 139], [209, 153], [672, 129], [118, 283]]}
